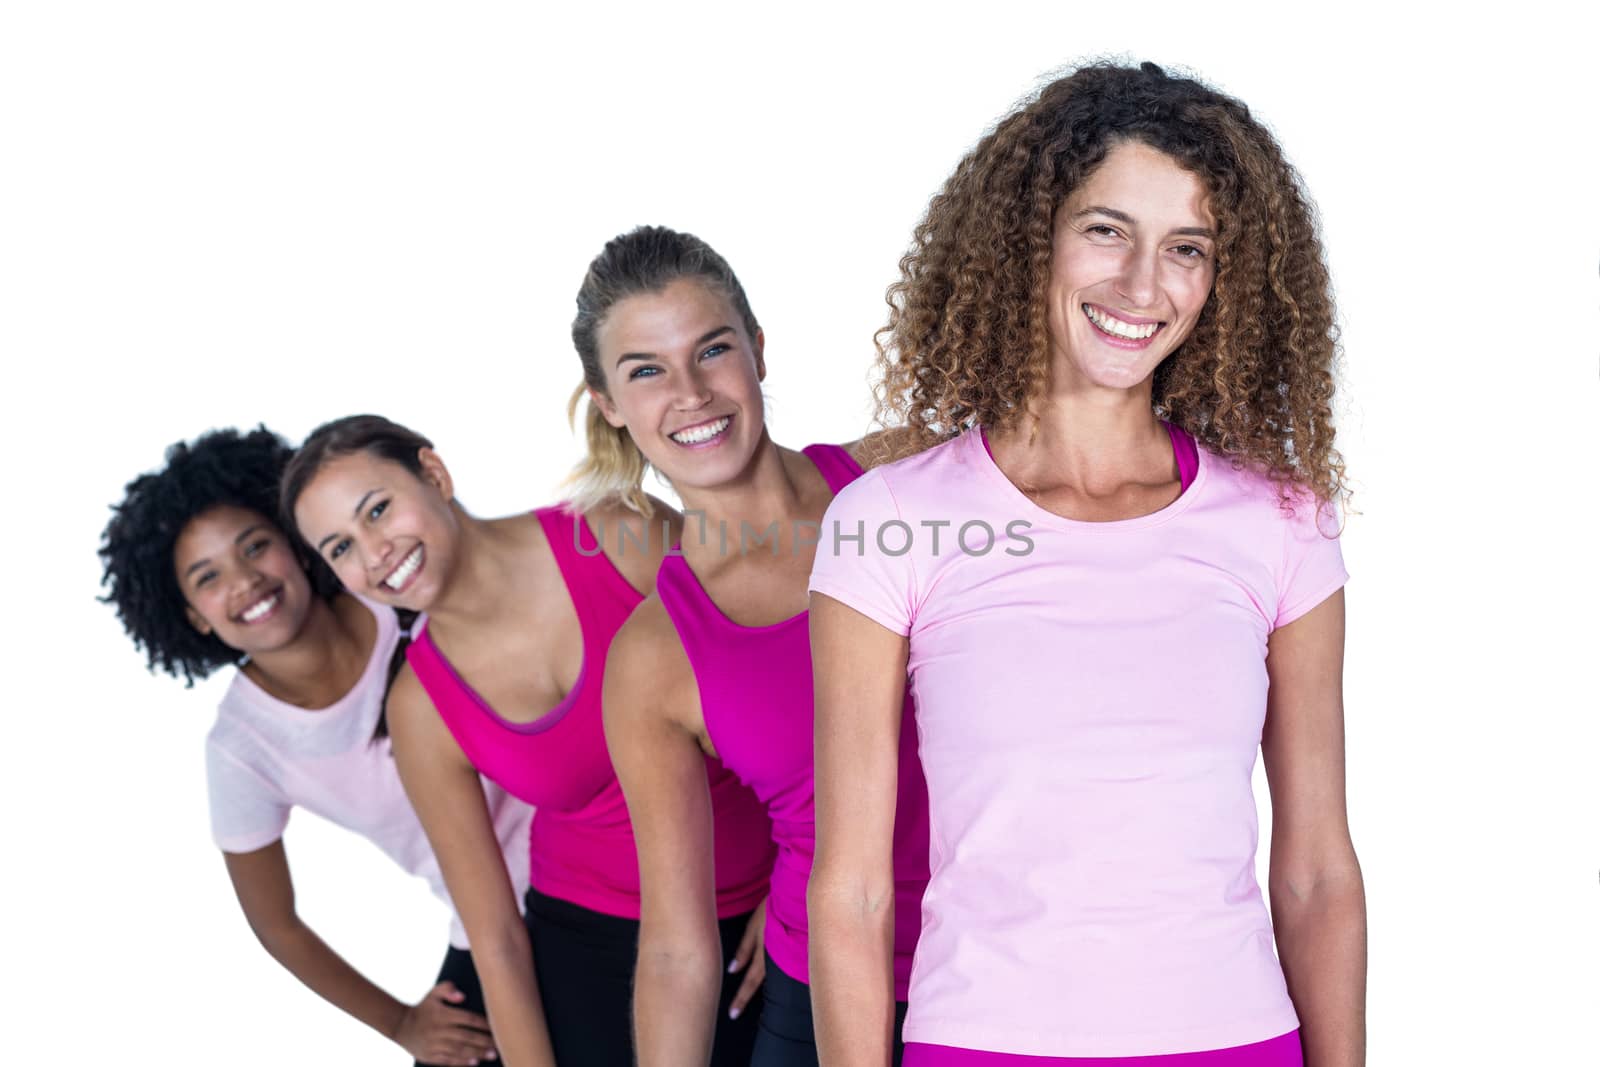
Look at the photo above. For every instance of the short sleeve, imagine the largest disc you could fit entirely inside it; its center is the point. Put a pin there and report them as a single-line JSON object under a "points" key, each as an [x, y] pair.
{"points": [[248, 811], [1313, 564], [857, 562]]}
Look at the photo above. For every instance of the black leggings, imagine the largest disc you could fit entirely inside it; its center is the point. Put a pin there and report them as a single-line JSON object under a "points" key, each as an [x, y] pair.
{"points": [[788, 1037], [584, 962], [458, 968]]}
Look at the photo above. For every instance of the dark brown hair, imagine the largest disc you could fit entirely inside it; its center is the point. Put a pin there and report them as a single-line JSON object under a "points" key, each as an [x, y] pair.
{"points": [[966, 342], [345, 437]]}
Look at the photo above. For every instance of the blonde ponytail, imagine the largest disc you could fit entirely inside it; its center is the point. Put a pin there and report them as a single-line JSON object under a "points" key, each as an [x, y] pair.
{"points": [[612, 468]]}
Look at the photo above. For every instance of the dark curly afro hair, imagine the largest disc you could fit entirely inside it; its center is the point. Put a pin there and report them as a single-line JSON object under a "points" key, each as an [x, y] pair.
{"points": [[220, 468]]}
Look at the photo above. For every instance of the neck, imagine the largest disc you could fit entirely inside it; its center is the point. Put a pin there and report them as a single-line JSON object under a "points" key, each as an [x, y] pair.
{"points": [[765, 492], [319, 666], [1087, 435], [479, 573]]}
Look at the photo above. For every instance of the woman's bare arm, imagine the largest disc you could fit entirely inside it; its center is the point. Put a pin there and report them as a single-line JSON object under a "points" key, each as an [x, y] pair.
{"points": [[448, 797], [1318, 902], [430, 1030], [860, 674], [649, 691]]}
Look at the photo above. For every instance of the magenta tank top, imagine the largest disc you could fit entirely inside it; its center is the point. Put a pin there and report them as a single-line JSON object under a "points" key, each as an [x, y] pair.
{"points": [[756, 699], [580, 845]]}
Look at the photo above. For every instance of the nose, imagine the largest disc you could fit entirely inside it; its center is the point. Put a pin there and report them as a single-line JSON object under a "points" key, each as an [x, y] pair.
{"points": [[1137, 281], [242, 578], [377, 552], [692, 391]]}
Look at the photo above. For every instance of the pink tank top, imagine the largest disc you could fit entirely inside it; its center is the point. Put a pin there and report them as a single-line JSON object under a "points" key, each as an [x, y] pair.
{"points": [[756, 699], [580, 845]]}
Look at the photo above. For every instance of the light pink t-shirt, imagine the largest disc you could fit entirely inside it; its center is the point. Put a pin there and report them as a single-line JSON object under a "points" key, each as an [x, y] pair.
{"points": [[265, 757], [1090, 698]]}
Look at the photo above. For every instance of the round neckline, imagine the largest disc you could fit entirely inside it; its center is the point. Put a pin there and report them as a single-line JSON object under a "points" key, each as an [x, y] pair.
{"points": [[1049, 518], [386, 625]]}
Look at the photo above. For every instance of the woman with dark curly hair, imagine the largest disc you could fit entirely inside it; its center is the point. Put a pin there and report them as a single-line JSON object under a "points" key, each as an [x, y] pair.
{"points": [[203, 577], [1115, 331], [504, 680]]}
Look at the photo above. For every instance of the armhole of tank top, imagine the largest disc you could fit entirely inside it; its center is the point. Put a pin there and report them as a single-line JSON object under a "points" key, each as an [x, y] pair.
{"points": [[580, 570], [835, 463]]}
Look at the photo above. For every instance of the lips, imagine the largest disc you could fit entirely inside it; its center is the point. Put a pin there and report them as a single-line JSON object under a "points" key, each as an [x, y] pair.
{"points": [[405, 572], [262, 608], [702, 434], [1127, 330]]}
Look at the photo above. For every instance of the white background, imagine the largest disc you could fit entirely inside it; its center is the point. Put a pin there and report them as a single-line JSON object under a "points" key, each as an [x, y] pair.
{"points": [[217, 213]]}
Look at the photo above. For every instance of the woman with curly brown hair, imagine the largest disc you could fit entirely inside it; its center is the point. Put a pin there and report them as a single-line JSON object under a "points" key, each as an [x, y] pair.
{"points": [[1111, 577]]}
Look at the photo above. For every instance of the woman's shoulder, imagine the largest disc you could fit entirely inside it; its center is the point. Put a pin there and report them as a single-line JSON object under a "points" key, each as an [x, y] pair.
{"points": [[646, 666], [896, 446], [1268, 497], [916, 479]]}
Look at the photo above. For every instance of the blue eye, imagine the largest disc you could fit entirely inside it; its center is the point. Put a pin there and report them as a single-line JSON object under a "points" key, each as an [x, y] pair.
{"points": [[642, 372], [338, 549], [714, 350], [376, 510]]}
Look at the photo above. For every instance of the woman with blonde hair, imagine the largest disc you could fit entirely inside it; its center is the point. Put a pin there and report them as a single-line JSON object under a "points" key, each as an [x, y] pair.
{"points": [[717, 661], [1115, 331]]}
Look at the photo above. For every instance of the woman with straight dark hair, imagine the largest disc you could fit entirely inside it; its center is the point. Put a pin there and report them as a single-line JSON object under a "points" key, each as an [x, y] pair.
{"points": [[504, 679], [1114, 337], [203, 577]]}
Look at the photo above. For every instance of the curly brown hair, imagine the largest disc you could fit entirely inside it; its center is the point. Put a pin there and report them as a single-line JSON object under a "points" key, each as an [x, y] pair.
{"points": [[967, 344]]}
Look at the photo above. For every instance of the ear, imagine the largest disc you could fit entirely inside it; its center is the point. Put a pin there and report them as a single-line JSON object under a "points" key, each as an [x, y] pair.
{"points": [[435, 473], [760, 348], [607, 409], [197, 620]]}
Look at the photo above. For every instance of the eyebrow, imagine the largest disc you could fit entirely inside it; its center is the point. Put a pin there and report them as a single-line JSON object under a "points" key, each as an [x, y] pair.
{"points": [[1127, 219], [360, 506], [718, 332], [206, 562]]}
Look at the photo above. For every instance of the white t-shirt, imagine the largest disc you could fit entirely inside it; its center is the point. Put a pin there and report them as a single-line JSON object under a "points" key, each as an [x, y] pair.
{"points": [[265, 757]]}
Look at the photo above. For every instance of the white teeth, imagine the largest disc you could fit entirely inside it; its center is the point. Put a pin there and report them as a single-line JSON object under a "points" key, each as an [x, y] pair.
{"points": [[701, 433], [1119, 328], [259, 608], [408, 566]]}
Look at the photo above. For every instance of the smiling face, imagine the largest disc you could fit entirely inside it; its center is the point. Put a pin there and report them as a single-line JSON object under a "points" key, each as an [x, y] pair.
{"points": [[241, 579], [1131, 266], [387, 533], [684, 377]]}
